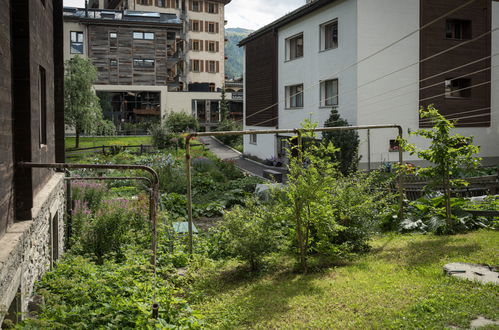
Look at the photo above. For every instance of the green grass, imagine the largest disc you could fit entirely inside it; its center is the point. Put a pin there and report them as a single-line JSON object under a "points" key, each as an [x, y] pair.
{"points": [[400, 284], [88, 142]]}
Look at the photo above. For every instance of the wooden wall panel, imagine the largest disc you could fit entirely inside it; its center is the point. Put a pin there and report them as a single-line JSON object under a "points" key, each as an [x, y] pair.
{"points": [[125, 50], [261, 80], [433, 40], [6, 152]]}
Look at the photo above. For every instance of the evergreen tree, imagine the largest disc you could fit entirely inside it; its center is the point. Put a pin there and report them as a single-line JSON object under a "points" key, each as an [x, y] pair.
{"points": [[347, 143]]}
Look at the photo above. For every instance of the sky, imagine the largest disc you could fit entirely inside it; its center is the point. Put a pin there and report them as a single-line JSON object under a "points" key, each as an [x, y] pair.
{"points": [[249, 14]]}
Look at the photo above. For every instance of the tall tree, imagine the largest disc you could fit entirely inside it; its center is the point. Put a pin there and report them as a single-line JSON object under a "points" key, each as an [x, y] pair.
{"points": [[224, 107], [346, 142], [82, 110]]}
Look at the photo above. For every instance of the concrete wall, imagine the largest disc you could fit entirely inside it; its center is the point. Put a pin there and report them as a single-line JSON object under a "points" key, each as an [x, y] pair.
{"points": [[266, 144], [77, 27], [318, 65], [28, 248]]}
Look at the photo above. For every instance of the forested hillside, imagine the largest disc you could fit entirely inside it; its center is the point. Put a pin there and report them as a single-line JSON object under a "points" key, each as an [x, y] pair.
{"points": [[234, 64]]}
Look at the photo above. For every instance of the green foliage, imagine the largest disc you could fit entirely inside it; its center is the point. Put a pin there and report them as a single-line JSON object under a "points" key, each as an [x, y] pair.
{"points": [[180, 122], [164, 139], [230, 140], [347, 142], [82, 295], [234, 64], [104, 128], [82, 110], [448, 153], [250, 233], [224, 107], [311, 176], [88, 192]]}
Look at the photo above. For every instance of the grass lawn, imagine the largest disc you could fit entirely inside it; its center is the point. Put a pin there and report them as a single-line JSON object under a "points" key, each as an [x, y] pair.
{"points": [[400, 284], [88, 142]]}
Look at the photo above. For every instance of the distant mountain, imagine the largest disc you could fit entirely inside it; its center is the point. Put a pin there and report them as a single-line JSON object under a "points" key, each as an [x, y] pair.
{"points": [[234, 64]]}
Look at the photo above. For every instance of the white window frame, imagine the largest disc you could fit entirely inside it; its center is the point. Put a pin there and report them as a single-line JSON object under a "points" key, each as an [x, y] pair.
{"points": [[289, 42], [323, 27], [327, 100], [292, 96], [253, 139]]}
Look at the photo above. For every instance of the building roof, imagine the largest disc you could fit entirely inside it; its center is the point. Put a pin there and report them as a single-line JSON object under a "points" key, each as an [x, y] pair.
{"points": [[295, 14], [108, 16]]}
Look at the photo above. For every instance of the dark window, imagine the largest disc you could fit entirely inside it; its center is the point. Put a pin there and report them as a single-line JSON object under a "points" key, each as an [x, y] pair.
{"points": [[329, 93], [42, 86], [294, 47], [76, 44], [211, 27], [458, 88], [144, 63], [294, 96], [253, 139], [394, 145], [329, 35], [212, 8], [197, 6], [458, 29], [161, 3]]}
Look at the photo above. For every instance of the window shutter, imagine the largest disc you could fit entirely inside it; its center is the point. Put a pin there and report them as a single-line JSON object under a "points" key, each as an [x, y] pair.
{"points": [[201, 44], [190, 44], [201, 64], [217, 28], [207, 47], [190, 25], [201, 25], [206, 6], [218, 46], [207, 26], [190, 65], [190, 5], [218, 66]]}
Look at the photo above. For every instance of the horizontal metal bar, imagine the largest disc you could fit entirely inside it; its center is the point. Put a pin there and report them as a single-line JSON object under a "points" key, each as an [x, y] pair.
{"points": [[108, 178]]}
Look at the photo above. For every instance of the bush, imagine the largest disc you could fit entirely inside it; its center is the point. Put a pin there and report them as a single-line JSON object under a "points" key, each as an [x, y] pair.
{"points": [[230, 140], [104, 128], [164, 139], [88, 192], [250, 233], [180, 122]]}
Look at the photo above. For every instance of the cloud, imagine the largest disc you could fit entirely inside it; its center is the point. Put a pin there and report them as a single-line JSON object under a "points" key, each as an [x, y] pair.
{"points": [[249, 14]]}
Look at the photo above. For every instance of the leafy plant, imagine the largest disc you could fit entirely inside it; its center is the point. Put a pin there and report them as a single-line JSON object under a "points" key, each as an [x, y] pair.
{"points": [[180, 122], [447, 152], [162, 138]]}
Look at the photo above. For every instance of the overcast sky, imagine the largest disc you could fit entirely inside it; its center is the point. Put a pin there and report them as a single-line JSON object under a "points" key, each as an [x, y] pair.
{"points": [[249, 14]]}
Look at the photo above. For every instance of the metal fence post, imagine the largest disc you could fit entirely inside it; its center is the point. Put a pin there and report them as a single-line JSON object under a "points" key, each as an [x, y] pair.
{"points": [[189, 189]]}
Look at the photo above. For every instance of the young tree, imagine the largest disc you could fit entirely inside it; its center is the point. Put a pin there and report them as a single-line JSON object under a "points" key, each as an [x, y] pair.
{"points": [[347, 143], [224, 107], [447, 152], [311, 176], [82, 110]]}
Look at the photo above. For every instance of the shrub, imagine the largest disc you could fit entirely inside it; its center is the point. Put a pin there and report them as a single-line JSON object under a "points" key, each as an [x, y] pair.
{"points": [[87, 192], [180, 122], [230, 140], [104, 128], [162, 138]]}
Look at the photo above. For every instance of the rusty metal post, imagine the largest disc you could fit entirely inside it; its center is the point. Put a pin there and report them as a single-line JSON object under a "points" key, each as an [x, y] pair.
{"points": [[399, 176], [189, 189]]}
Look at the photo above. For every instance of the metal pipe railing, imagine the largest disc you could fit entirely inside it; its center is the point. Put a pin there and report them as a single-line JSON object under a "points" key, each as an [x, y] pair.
{"points": [[298, 132]]}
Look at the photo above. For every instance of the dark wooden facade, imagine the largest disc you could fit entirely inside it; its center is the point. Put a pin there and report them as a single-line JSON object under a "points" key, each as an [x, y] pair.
{"points": [[433, 40], [261, 80], [124, 49], [30, 69]]}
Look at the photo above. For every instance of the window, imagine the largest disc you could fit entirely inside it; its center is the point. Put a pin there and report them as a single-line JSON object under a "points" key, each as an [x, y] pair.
{"points": [[212, 46], [212, 66], [196, 6], [161, 3], [212, 87], [212, 8], [42, 90], [212, 27], [294, 96], [113, 62], [458, 29], [394, 146], [196, 26], [143, 35], [113, 35], [76, 45], [144, 63], [329, 93], [294, 47], [253, 139], [195, 66], [329, 35], [458, 88], [195, 45], [144, 2]]}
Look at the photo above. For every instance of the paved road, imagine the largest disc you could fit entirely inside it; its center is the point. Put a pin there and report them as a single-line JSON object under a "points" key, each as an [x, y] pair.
{"points": [[225, 153]]}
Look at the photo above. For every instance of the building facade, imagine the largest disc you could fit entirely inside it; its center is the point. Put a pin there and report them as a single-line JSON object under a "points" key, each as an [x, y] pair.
{"points": [[153, 57], [375, 67], [32, 121]]}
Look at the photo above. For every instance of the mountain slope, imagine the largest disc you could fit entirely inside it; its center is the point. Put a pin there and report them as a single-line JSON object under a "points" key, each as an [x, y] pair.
{"points": [[234, 63]]}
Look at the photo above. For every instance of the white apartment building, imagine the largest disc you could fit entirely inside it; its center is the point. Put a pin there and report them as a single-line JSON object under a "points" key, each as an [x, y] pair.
{"points": [[376, 62]]}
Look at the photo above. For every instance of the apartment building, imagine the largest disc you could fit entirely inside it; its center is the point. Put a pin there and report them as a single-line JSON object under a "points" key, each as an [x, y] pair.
{"points": [[32, 130], [375, 67], [153, 57]]}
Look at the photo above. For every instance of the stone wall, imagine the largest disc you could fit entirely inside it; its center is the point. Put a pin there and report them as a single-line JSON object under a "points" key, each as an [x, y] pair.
{"points": [[29, 248]]}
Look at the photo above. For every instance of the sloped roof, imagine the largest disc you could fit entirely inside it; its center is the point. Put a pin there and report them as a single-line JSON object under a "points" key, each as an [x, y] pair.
{"points": [[295, 14]]}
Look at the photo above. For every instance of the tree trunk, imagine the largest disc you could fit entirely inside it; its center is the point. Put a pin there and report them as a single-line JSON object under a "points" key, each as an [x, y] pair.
{"points": [[299, 233], [77, 139]]}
